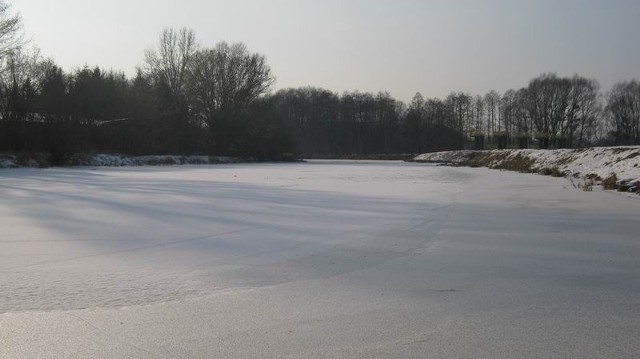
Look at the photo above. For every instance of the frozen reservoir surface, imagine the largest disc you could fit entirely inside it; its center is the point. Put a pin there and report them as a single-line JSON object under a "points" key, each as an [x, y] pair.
{"points": [[325, 259]]}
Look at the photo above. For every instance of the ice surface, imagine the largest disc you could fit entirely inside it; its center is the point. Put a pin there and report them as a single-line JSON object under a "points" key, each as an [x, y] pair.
{"points": [[321, 259]]}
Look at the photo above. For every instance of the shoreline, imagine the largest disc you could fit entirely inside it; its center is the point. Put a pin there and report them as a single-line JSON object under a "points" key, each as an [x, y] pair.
{"points": [[611, 167]]}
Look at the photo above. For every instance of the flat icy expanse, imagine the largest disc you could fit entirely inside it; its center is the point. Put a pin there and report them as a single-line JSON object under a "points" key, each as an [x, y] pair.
{"points": [[325, 259]]}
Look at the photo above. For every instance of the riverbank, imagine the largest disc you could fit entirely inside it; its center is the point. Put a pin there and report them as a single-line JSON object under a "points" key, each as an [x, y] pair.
{"points": [[43, 160], [611, 167]]}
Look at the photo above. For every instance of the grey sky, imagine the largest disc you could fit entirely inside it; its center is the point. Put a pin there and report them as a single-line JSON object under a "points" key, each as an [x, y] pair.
{"points": [[434, 47]]}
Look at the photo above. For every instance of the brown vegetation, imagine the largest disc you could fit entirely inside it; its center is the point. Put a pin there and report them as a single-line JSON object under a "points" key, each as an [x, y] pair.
{"points": [[610, 183]]}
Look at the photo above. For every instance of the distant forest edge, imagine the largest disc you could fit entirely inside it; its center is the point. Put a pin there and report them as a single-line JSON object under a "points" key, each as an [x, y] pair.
{"points": [[189, 99]]}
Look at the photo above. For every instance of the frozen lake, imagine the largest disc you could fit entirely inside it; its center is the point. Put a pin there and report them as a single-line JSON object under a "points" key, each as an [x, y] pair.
{"points": [[326, 259]]}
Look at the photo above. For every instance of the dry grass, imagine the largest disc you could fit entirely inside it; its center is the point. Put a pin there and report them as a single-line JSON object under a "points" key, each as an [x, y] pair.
{"points": [[553, 172], [633, 155], [620, 150], [587, 186], [593, 176], [610, 183], [517, 163], [500, 160]]}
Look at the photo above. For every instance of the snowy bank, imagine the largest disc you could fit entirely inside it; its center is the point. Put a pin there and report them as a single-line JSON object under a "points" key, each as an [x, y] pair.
{"points": [[599, 163], [110, 160], [120, 160]]}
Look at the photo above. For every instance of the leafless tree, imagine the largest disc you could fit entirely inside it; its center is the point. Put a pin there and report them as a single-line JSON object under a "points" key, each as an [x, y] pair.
{"points": [[585, 111], [223, 82], [523, 119], [478, 113], [226, 79], [169, 61], [549, 103], [563, 108], [23, 70], [623, 106], [459, 105], [11, 36], [508, 112], [492, 102]]}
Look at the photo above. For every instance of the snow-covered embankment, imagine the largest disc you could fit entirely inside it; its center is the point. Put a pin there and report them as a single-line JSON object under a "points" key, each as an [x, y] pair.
{"points": [[619, 166], [111, 160]]}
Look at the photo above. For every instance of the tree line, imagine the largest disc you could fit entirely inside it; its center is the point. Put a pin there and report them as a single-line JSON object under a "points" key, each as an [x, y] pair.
{"points": [[189, 99]]}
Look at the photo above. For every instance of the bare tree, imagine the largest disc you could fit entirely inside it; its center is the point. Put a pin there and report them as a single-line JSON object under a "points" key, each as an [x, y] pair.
{"points": [[226, 79], [223, 82], [549, 104], [459, 108], [508, 112], [478, 113], [168, 62], [523, 119], [19, 81], [11, 37], [584, 112], [624, 108], [563, 108], [492, 102]]}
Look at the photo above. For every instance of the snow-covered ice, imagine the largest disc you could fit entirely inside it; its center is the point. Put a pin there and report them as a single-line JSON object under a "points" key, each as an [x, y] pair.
{"points": [[323, 259]]}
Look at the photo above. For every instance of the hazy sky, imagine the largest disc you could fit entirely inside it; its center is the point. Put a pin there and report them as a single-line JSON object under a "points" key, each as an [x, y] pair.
{"points": [[434, 47]]}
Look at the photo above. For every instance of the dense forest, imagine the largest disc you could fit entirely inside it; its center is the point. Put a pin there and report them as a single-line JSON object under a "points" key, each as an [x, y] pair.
{"points": [[189, 99]]}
